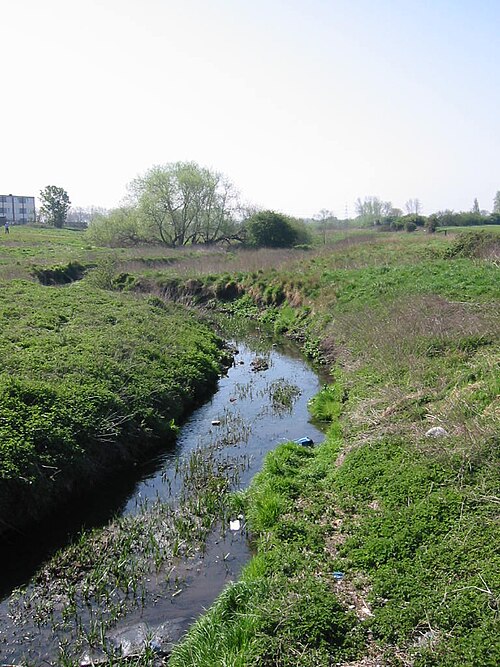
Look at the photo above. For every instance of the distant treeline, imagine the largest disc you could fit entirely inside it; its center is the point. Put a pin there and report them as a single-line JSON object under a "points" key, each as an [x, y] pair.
{"points": [[411, 222]]}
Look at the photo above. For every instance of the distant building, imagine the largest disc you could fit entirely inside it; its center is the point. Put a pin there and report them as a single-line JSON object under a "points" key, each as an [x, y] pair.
{"points": [[17, 210]]}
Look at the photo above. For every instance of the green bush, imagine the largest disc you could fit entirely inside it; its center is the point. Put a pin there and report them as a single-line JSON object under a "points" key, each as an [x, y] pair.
{"points": [[274, 230]]}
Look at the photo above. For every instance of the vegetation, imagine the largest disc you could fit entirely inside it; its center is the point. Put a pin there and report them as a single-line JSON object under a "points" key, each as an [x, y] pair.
{"points": [[176, 204], [55, 205], [275, 230], [399, 527], [379, 546], [87, 376]]}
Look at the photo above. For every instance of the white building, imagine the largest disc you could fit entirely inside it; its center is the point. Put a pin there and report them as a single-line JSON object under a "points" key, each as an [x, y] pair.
{"points": [[17, 210]]}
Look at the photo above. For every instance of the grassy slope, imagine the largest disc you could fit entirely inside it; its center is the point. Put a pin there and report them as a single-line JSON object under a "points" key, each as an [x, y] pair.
{"points": [[88, 379], [411, 521]]}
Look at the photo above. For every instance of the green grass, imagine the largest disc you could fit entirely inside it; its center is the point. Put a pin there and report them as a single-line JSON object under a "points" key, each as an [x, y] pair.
{"points": [[83, 371], [412, 521], [459, 230], [284, 610], [409, 327]]}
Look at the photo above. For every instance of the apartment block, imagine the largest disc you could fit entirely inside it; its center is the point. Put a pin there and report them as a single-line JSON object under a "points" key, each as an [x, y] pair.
{"points": [[17, 210]]}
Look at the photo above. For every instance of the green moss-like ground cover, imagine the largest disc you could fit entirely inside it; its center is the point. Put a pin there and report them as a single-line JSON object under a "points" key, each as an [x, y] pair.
{"points": [[88, 376]]}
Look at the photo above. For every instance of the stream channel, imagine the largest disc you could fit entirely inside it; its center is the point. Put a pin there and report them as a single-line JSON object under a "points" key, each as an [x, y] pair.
{"points": [[74, 609]]}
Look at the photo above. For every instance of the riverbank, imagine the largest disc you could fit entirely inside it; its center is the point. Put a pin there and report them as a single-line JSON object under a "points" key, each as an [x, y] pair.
{"points": [[91, 382], [379, 547], [142, 575]]}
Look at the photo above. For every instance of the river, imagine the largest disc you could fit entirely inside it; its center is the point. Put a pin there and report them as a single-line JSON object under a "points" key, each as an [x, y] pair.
{"points": [[261, 402]]}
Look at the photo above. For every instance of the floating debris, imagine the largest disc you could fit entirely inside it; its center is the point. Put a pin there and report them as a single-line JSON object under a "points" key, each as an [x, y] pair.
{"points": [[215, 422], [306, 442]]}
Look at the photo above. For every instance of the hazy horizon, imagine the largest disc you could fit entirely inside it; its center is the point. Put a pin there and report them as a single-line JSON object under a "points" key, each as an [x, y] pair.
{"points": [[303, 106]]}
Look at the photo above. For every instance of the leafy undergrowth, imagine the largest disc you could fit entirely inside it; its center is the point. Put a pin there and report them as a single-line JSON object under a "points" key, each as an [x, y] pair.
{"points": [[81, 369]]}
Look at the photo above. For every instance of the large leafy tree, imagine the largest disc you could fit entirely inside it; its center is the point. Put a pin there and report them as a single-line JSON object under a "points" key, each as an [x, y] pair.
{"points": [[55, 205], [372, 210], [182, 203]]}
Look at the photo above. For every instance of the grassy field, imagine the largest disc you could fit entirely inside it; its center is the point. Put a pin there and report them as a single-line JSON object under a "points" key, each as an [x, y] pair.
{"points": [[459, 230], [378, 547]]}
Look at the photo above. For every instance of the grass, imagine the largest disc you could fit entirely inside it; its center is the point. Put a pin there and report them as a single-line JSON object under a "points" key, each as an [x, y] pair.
{"points": [[408, 522], [379, 546], [85, 371], [461, 230]]}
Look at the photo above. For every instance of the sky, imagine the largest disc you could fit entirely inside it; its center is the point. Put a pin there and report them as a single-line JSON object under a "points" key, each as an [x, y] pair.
{"points": [[303, 104]]}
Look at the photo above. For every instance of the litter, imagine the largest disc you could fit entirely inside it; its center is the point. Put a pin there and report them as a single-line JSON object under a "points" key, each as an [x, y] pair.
{"points": [[307, 442], [235, 524]]}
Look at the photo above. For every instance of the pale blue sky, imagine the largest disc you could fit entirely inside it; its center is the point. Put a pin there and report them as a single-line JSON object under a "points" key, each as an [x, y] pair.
{"points": [[304, 105]]}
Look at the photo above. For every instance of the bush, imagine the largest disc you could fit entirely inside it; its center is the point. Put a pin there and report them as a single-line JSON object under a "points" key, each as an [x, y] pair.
{"points": [[473, 244], [410, 226], [274, 230]]}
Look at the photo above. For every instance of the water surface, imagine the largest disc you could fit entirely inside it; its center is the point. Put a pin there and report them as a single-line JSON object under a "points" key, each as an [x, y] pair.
{"points": [[240, 423]]}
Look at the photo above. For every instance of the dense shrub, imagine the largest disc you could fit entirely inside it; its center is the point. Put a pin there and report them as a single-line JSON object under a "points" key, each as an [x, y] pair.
{"points": [[275, 230], [474, 244]]}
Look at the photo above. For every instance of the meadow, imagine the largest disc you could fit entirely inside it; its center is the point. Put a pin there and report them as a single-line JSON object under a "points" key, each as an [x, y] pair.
{"points": [[90, 379], [379, 546]]}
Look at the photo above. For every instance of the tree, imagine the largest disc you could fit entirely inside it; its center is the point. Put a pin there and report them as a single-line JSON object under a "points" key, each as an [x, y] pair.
{"points": [[413, 207], [496, 203], [81, 216], [372, 210], [431, 224], [55, 205], [323, 217], [272, 230], [117, 227], [475, 207], [410, 226], [182, 203]]}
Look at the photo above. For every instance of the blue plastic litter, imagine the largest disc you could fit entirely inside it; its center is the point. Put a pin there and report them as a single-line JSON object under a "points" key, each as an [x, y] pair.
{"points": [[307, 442]]}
